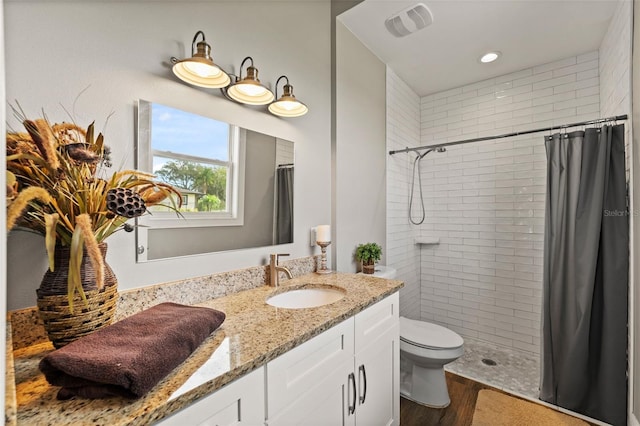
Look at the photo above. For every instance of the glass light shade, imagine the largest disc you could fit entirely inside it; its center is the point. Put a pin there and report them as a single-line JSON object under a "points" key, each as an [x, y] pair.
{"points": [[250, 93], [288, 105], [201, 72], [288, 108], [249, 90]]}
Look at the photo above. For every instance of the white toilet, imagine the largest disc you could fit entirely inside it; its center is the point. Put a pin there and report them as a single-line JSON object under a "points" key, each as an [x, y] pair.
{"points": [[425, 348]]}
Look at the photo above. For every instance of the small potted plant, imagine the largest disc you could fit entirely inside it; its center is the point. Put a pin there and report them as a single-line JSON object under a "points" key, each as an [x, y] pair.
{"points": [[368, 254]]}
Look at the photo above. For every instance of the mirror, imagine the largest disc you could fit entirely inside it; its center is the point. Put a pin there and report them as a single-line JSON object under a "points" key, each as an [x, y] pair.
{"points": [[236, 185]]}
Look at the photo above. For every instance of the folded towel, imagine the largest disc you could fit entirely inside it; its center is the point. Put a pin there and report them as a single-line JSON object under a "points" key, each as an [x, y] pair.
{"points": [[129, 357]]}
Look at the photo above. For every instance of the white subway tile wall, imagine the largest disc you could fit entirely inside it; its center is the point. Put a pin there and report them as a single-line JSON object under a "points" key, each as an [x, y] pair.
{"points": [[615, 55], [284, 152], [485, 201], [615, 71], [403, 130]]}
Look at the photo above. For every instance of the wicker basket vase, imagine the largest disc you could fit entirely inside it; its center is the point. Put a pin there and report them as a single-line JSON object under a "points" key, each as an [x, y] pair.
{"points": [[62, 326], [368, 268]]}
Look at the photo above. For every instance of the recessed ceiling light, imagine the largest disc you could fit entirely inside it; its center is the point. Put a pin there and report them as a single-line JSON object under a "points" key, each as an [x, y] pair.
{"points": [[489, 57]]}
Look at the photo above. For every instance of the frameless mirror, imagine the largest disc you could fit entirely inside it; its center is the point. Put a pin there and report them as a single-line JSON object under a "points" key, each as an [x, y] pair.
{"points": [[236, 185]]}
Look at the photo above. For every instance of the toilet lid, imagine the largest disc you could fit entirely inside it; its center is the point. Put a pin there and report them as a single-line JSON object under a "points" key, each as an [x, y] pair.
{"points": [[428, 335]]}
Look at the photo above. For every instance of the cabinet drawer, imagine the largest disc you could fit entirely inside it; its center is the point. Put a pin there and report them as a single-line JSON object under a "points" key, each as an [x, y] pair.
{"points": [[376, 320], [294, 373]]}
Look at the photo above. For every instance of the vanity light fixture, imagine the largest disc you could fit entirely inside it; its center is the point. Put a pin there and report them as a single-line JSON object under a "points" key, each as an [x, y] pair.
{"points": [[249, 90], [200, 70], [489, 57], [287, 105]]}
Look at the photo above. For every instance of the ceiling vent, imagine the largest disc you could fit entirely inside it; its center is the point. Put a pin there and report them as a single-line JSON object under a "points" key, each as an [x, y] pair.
{"points": [[409, 20]]}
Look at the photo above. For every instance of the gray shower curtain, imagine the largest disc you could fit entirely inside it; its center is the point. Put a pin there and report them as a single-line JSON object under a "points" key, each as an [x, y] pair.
{"points": [[586, 262], [284, 205]]}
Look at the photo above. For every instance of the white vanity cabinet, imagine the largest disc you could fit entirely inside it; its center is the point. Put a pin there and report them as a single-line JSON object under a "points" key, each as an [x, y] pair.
{"points": [[348, 375], [308, 385], [240, 402]]}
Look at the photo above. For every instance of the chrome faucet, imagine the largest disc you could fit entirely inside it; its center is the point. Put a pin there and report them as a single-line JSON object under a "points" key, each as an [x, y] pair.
{"points": [[274, 269]]}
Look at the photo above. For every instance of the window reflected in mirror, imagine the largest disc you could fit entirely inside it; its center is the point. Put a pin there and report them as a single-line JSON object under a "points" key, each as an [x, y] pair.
{"points": [[193, 153], [236, 184]]}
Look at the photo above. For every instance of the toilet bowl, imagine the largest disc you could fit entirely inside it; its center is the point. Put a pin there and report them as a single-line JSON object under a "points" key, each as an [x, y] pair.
{"points": [[425, 348]]}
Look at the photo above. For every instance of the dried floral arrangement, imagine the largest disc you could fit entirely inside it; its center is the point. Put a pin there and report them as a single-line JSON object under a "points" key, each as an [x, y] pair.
{"points": [[57, 187]]}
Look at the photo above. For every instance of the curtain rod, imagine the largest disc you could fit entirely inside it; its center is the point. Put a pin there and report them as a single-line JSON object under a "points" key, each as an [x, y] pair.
{"points": [[508, 135]]}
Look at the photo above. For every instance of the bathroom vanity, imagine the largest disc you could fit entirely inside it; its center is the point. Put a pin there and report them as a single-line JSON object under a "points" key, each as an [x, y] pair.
{"points": [[332, 364], [344, 376]]}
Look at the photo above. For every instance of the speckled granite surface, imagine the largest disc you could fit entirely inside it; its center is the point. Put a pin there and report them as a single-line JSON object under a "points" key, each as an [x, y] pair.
{"points": [[252, 334]]}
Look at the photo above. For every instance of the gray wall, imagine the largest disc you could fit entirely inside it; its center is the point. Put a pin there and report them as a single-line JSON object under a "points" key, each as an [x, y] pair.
{"points": [[119, 52], [259, 188], [257, 230], [360, 150]]}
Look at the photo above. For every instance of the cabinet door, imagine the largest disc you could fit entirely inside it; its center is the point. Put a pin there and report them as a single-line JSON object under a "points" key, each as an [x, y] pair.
{"points": [[377, 363], [377, 379], [298, 372], [324, 404], [240, 402]]}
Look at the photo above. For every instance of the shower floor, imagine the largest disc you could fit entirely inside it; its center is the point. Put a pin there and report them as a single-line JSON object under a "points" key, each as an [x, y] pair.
{"points": [[515, 372]]}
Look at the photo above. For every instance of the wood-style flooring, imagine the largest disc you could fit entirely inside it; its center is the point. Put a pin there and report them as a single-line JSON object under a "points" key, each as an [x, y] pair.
{"points": [[463, 393]]}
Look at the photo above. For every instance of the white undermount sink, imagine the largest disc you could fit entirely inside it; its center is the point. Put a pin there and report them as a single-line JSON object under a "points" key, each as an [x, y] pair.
{"points": [[306, 297]]}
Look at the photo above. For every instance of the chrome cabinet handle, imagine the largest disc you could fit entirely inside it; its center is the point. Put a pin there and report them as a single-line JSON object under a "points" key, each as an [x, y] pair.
{"points": [[363, 372], [352, 384]]}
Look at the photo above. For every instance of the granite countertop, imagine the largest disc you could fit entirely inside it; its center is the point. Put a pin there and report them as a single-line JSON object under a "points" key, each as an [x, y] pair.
{"points": [[252, 334]]}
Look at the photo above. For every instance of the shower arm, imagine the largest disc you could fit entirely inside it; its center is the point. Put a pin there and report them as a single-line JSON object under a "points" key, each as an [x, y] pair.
{"points": [[437, 149]]}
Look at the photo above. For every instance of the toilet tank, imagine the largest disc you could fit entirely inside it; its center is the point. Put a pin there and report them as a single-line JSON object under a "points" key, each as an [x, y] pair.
{"points": [[382, 271]]}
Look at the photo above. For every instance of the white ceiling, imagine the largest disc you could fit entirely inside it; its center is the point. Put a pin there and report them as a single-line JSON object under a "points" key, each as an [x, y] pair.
{"points": [[445, 54]]}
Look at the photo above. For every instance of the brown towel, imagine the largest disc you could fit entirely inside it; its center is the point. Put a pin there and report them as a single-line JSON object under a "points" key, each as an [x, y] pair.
{"points": [[129, 357]]}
